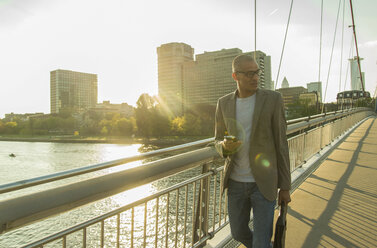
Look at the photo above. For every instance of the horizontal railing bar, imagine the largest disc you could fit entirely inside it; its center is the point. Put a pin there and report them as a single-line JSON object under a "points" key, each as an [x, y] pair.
{"points": [[302, 125], [306, 118], [201, 241], [209, 236], [218, 229], [26, 209], [91, 168], [119, 210], [296, 136]]}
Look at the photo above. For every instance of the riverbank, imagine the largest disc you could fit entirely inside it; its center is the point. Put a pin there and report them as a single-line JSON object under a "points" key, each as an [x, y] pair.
{"points": [[164, 141]]}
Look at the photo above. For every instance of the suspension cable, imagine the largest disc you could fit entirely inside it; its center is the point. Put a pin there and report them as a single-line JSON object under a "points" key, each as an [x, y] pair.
{"points": [[352, 56], [285, 37], [341, 50], [357, 49], [320, 44], [332, 50], [255, 30], [348, 65]]}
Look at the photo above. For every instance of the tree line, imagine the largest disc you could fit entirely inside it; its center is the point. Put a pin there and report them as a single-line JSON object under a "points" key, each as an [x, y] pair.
{"points": [[149, 120]]}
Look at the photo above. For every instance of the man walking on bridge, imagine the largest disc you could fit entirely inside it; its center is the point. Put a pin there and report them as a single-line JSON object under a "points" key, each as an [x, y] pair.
{"points": [[250, 133]]}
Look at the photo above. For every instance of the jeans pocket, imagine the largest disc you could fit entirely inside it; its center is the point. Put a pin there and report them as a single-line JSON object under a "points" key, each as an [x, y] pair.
{"points": [[234, 188]]}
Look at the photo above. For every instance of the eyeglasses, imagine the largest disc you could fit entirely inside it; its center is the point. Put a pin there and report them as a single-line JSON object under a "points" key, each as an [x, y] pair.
{"points": [[250, 74]]}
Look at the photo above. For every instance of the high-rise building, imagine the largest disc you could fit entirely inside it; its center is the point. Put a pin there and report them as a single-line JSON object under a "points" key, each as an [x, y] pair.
{"points": [[209, 77], [171, 57], [72, 90], [264, 63], [184, 82], [355, 75], [310, 98], [291, 95], [316, 86], [285, 83]]}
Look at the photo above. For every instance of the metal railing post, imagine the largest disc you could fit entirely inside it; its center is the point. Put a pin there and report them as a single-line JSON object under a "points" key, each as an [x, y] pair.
{"points": [[201, 218], [303, 157], [321, 140]]}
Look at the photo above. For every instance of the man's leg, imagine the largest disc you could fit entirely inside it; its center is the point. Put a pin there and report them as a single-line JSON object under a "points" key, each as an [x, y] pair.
{"points": [[239, 207], [263, 218]]}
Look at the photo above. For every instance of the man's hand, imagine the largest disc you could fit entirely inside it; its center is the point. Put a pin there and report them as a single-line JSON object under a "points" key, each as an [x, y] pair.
{"points": [[284, 196], [230, 145]]}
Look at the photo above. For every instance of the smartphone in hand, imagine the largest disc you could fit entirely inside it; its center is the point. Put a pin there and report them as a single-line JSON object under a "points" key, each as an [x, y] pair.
{"points": [[230, 138]]}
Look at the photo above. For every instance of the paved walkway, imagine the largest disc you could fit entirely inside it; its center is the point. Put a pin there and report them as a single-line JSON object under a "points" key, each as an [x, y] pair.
{"points": [[337, 205]]}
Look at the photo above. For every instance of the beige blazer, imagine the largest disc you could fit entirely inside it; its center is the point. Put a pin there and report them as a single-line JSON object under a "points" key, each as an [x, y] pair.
{"points": [[269, 156]]}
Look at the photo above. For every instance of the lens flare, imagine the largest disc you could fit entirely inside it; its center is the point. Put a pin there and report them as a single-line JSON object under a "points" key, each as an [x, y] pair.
{"points": [[261, 158], [265, 163], [258, 157]]}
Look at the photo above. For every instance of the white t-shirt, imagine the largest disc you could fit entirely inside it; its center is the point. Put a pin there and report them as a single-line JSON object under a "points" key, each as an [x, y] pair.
{"points": [[241, 171]]}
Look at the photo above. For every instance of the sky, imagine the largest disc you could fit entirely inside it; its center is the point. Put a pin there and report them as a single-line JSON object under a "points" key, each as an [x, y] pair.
{"points": [[118, 40]]}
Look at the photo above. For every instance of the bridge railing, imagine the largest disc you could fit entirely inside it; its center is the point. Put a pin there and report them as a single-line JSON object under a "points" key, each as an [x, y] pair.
{"points": [[186, 214]]}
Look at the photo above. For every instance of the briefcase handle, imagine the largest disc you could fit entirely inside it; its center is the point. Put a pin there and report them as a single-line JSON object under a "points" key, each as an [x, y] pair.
{"points": [[283, 211]]}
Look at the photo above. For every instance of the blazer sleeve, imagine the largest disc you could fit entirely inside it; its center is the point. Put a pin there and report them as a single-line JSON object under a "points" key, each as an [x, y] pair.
{"points": [[219, 131], [279, 127]]}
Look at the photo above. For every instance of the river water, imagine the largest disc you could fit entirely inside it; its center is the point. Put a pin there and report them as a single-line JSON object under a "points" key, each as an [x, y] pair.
{"points": [[38, 158]]}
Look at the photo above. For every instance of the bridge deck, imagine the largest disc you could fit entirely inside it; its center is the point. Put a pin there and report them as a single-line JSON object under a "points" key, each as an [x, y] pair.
{"points": [[337, 205]]}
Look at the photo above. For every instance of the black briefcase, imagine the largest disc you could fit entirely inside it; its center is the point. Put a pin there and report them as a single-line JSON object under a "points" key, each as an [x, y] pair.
{"points": [[281, 227]]}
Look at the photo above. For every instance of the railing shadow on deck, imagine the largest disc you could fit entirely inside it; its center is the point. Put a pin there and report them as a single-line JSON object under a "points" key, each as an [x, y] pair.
{"points": [[346, 208]]}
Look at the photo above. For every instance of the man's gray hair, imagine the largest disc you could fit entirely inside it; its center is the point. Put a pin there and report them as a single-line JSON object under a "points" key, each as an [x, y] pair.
{"points": [[241, 59]]}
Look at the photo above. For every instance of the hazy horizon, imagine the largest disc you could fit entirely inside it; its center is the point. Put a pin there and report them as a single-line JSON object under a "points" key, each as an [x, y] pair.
{"points": [[118, 42]]}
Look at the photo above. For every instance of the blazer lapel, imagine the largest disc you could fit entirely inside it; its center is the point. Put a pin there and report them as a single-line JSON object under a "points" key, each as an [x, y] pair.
{"points": [[259, 102], [231, 114]]}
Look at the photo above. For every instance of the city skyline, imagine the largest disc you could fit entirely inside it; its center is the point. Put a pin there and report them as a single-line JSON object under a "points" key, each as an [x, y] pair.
{"points": [[185, 81], [118, 42]]}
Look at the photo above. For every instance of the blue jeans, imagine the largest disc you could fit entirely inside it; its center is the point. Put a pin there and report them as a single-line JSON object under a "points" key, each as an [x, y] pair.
{"points": [[241, 198]]}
